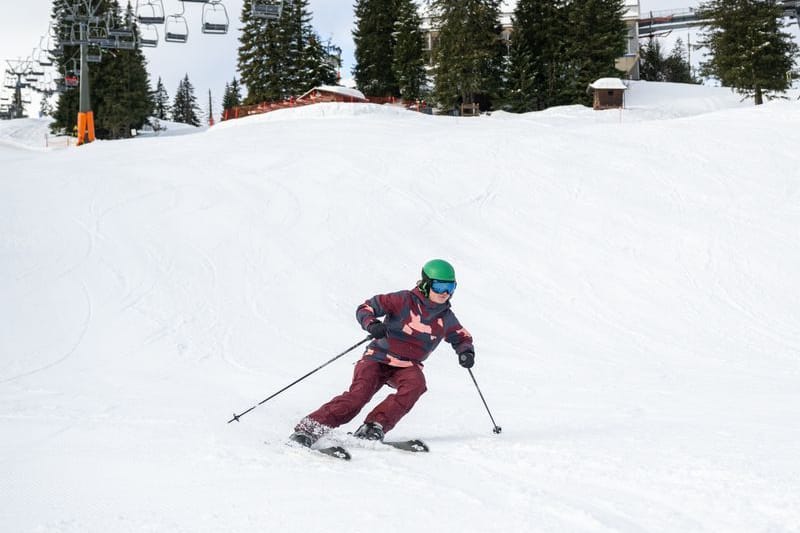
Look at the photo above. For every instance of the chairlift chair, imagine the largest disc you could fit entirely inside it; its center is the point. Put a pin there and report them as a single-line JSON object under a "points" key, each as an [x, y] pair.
{"points": [[176, 29], [94, 54], [148, 36], [122, 33], [71, 79], [267, 9], [43, 56], [124, 44], [115, 43], [97, 34], [215, 18], [150, 11]]}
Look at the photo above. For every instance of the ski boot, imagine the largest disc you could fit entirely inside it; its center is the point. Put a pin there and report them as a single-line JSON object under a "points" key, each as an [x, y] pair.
{"points": [[370, 431]]}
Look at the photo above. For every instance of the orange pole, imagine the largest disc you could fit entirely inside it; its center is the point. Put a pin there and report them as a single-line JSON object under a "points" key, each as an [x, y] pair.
{"points": [[81, 127], [90, 125], [85, 127]]}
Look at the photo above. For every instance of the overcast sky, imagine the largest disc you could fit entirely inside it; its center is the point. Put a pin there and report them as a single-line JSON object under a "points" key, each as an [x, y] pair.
{"points": [[210, 60]]}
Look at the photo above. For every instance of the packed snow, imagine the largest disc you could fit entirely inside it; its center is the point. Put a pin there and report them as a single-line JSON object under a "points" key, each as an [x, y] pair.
{"points": [[630, 279]]}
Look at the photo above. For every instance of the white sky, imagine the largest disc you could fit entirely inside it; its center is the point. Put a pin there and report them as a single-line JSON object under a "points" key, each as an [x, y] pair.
{"points": [[210, 60]]}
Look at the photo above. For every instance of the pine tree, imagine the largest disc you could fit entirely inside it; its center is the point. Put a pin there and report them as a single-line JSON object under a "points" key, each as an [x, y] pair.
{"points": [[374, 47], [653, 66], [308, 62], [161, 101], [748, 47], [124, 101], [45, 107], [408, 62], [259, 59], [184, 106], [597, 37], [537, 50], [469, 56], [676, 67], [232, 97], [320, 64], [651, 61], [282, 58]]}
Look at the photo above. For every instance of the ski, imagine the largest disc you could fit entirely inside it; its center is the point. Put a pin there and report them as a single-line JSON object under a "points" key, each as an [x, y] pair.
{"points": [[414, 445], [334, 451]]}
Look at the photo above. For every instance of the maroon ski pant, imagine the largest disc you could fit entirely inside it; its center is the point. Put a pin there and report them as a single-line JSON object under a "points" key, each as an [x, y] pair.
{"points": [[368, 377]]}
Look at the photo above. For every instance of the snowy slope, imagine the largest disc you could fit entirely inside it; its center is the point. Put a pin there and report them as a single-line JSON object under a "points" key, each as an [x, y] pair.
{"points": [[631, 285]]}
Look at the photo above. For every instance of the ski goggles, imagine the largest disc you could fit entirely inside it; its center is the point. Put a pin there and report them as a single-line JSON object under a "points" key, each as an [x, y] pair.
{"points": [[441, 287]]}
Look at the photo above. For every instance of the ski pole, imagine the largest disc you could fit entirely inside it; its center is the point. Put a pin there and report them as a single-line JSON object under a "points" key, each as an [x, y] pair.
{"points": [[497, 429], [295, 382]]}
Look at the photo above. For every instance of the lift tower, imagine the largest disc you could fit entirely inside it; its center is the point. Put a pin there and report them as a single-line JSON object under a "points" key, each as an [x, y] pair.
{"points": [[16, 71], [82, 14]]}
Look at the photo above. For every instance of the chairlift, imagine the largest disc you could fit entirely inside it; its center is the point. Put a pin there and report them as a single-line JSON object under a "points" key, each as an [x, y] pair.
{"points": [[121, 33], [43, 56], [71, 78], [215, 18], [148, 35], [267, 9], [71, 38], [117, 43], [96, 34], [94, 54], [124, 44], [176, 29], [150, 11]]}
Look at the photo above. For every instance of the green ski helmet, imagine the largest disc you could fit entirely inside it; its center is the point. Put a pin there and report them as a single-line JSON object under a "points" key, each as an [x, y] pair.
{"points": [[436, 270]]}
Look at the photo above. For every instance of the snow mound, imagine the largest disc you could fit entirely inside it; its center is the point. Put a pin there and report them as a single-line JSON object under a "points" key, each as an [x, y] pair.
{"points": [[320, 110], [632, 289]]}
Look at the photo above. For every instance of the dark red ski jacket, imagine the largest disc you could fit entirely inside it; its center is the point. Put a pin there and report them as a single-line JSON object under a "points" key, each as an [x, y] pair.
{"points": [[414, 327]]}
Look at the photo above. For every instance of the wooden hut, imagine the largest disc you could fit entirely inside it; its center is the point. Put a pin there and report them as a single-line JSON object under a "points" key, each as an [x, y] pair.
{"points": [[609, 93], [332, 93]]}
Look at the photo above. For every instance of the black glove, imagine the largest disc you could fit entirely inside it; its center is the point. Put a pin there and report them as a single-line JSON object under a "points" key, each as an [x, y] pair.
{"points": [[377, 330], [466, 359]]}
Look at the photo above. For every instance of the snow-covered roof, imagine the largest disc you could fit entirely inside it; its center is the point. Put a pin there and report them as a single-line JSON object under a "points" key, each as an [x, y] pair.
{"points": [[344, 91], [608, 83]]}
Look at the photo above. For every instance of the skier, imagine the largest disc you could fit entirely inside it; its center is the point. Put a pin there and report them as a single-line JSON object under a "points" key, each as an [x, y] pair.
{"points": [[416, 321]]}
